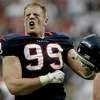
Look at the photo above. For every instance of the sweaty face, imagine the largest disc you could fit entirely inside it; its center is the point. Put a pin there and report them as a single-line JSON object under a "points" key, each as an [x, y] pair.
{"points": [[34, 21]]}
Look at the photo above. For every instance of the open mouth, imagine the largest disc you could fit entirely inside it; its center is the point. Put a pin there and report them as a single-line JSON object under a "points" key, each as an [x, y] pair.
{"points": [[31, 23]]}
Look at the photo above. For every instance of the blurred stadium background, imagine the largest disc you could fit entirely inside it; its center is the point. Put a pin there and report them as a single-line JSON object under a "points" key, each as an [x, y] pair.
{"points": [[77, 18]]}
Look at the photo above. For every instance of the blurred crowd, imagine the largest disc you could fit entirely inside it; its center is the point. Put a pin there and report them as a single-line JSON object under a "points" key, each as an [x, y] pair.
{"points": [[77, 18]]}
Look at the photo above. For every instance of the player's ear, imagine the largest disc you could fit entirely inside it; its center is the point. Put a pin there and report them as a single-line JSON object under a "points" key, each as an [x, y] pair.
{"points": [[46, 21], [24, 22]]}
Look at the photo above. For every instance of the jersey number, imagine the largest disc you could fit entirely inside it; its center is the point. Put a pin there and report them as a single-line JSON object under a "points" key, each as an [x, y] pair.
{"points": [[39, 57]]}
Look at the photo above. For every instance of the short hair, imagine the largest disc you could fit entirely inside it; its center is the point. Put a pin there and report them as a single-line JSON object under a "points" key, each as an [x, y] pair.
{"points": [[36, 4]]}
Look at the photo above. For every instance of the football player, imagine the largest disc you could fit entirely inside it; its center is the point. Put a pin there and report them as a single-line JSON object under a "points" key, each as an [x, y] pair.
{"points": [[36, 59], [89, 48]]}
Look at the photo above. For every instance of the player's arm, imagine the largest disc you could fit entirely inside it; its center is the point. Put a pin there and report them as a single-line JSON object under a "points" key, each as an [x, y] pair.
{"points": [[78, 66], [96, 87], [17, 85], [12, 75]]}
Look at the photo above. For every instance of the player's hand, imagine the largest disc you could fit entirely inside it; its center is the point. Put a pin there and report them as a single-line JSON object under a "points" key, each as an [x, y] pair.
{"points": [[54, 77]]}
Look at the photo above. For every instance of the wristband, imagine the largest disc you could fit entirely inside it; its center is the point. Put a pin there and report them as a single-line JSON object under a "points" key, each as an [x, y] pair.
{"points": [[44, 80]]}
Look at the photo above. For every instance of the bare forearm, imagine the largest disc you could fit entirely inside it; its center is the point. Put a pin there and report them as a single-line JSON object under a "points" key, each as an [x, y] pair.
{"points": [[77, 65], [24, 86]]}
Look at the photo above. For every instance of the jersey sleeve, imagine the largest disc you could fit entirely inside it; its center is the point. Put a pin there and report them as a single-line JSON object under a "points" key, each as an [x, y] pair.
{"points": [[4, 47], [7, 45], [3, 44], [66, 42]]}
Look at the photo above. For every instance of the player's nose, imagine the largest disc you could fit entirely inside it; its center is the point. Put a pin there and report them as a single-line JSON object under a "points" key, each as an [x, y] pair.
{"points": [[32, 16]]}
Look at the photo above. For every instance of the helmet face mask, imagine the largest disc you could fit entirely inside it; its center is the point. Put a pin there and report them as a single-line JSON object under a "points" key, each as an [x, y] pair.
{"points": [[89, 48]]}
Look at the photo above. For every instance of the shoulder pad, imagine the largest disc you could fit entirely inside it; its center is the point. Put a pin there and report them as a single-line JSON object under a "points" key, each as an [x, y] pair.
{"points": [[12, 36], [61, 34]]}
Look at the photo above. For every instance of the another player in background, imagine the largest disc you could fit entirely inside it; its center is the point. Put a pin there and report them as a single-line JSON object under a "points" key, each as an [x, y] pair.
{"points": [[96, 86], [89, 48], [36, 60], [96, 89]]}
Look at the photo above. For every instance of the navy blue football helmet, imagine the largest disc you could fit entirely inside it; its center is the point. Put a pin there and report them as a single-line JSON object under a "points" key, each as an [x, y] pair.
{"points": [[89, 49]]}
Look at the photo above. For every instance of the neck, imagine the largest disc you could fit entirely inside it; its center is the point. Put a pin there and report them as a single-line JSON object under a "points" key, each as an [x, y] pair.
{"points": [[35, 34]]}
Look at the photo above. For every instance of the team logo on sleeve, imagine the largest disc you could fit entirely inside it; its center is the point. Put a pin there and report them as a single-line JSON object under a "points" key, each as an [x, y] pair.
{"points": [[1, 49]]}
